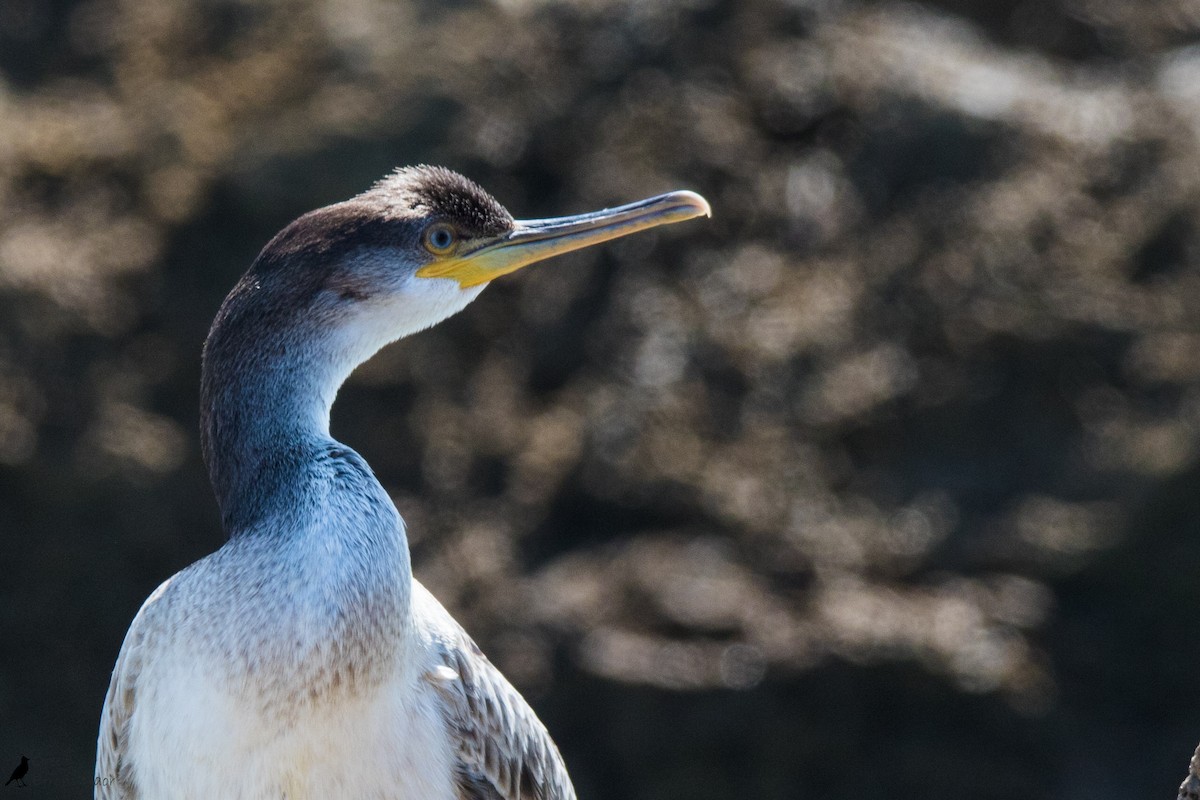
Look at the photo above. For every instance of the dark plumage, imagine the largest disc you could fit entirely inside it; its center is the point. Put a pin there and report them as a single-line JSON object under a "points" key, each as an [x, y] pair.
{"points": [[384, 216], [444, 194], [320, 238]]}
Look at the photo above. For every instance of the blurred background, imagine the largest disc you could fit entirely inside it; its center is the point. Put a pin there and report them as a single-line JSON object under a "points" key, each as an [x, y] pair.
{"points": [[881, 483]]}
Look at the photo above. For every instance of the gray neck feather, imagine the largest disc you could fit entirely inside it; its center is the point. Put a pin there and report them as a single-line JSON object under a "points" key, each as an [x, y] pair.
{"points": [[268, 383]]}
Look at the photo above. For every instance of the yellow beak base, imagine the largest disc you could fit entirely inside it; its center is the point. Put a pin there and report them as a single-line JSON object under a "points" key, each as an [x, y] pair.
{"points": [[531, 241]]}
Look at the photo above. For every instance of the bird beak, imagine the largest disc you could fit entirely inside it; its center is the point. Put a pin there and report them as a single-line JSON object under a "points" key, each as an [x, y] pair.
{"points": [[536, 240]]}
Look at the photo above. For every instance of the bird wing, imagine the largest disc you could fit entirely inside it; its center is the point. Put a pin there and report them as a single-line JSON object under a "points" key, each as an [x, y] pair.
{"points": [[502, 749], [114, 777]]}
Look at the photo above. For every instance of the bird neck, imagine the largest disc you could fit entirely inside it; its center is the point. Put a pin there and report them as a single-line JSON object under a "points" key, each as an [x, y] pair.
{"points": [[267, 387]]}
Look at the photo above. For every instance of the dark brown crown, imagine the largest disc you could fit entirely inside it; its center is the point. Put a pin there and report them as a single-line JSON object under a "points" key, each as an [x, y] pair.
{"points": [[440, 193], [389, 214]]}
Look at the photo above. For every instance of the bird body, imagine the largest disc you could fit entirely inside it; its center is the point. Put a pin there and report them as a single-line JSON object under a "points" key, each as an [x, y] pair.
{"points": [[386, 727], [301, 659]]}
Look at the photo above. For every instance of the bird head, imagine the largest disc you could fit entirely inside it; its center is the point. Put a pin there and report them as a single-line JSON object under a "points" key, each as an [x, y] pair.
{"points": [[414, 249]]}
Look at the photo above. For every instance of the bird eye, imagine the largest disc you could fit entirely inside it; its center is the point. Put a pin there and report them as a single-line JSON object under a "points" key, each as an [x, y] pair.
{"points": [[440, 239]]}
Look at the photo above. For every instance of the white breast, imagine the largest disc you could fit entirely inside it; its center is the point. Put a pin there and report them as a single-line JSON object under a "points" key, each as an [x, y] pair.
{"points": [[190, 738]]}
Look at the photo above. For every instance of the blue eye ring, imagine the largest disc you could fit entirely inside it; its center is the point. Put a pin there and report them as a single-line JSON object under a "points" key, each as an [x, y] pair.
{"points": [[440, 238]]}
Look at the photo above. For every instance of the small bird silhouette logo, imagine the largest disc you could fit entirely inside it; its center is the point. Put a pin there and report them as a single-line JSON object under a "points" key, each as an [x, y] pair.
{"points": [[18, 774]]}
